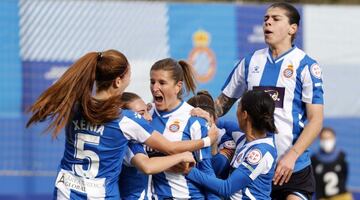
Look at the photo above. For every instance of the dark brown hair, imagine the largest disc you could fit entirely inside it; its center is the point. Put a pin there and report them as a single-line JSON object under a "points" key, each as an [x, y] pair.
{"points": [[260, 107], [203, 100], [127, 98], [75, 87], [327, 129], [180, 71]]}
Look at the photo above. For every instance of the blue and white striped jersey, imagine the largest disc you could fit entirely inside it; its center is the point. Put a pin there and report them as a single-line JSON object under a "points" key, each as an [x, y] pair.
{"points": [[179, 125], [229, 133], [293, 80], [94, 154], [257, 159], [134, 184], [253, 169]]}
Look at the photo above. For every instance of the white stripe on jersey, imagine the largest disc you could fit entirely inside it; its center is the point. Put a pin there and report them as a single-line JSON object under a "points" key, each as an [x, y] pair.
{"points": [[263, 167], [235, 163], [176, 136], [62, 194], [128, 156], [307, 92], [179, 188], [236, 196], [132, 130], [194, 132], [236, 135], [150, 188], [248, 193]]}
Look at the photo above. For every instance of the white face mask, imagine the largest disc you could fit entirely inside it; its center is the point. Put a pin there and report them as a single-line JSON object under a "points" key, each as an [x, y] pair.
{"points": [[327, 145]]}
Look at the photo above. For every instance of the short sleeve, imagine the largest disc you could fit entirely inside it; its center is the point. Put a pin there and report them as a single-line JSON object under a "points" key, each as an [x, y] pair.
{"points": [[235, 84], [199, 129], [133, 149], [312, 84], [258, 160], [135, 127]]}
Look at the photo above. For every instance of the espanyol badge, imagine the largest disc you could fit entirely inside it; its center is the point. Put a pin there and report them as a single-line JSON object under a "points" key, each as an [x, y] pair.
{"points": [[202, 58], [289, 71], [174, 126]]}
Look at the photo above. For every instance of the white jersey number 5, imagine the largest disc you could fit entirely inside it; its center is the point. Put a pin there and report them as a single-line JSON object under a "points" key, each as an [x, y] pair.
{"points": [[91, 156]]}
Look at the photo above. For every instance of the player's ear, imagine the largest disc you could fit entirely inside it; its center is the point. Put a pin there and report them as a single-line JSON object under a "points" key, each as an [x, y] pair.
{"points": [[293, 29]]}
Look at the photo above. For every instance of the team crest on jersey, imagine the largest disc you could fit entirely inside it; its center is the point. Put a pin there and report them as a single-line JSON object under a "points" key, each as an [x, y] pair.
{"points": [[316, 70], [254, 156], [289, 71], [174, 126]]}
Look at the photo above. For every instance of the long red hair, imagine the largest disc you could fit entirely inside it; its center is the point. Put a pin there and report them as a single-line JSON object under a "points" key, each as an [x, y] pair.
{"points": [[75, 86]]}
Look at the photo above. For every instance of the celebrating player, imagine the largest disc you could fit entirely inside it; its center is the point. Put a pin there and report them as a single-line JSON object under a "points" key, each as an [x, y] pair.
{"points": [[254, 160], [294, 81], [171, 116], [97, 130]]}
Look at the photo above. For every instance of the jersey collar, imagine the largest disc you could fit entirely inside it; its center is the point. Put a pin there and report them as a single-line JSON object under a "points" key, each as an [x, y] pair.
{"points": [[281, 56]]}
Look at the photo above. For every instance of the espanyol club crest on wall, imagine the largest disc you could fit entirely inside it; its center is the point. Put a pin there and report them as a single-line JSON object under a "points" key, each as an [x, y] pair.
{"points": [[174, 126], [201, 57]]}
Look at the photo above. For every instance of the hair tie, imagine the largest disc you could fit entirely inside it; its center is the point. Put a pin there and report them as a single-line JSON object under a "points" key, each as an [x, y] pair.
{"points": [[100, 55]]}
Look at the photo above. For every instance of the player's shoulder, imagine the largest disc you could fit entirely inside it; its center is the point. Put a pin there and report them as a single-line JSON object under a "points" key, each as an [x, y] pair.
{"points": [[305, 58], [130, 114], [265, 145], [257, 53]]}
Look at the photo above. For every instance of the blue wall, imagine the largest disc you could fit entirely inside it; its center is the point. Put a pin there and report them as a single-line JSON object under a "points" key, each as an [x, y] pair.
{"points": [[29, 160], [10, 65]]}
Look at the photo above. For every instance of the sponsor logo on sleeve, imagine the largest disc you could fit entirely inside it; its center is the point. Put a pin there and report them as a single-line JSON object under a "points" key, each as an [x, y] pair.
{"points": [[254, 156], [315, 70]]}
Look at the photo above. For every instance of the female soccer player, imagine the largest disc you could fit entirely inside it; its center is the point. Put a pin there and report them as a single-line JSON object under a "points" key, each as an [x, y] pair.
{"points": [[229, 132], [294, 80], [133, 184], [171, 116], [255, 155], [97, 130]]}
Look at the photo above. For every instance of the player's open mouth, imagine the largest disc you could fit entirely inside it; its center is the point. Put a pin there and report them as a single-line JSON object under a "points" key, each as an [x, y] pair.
{"points": [[267, 32], [158, 99]]}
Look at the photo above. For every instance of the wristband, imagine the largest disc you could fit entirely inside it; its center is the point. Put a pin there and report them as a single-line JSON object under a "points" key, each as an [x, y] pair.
{"points": [[207, 141]]}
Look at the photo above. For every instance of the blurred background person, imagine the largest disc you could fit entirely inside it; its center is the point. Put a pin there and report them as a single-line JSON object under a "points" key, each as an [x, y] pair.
{"points": [[330, 168]]}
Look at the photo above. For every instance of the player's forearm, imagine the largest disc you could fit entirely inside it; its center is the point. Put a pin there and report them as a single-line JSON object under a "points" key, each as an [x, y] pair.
{"points": [[156, 165], [160, 143], [310, 131], [188, 145], [223, 104]]}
